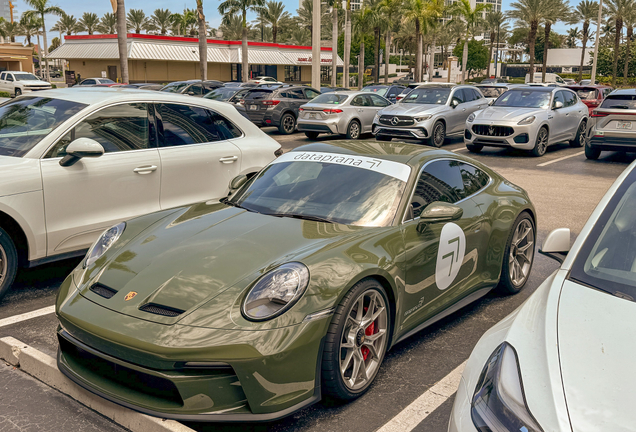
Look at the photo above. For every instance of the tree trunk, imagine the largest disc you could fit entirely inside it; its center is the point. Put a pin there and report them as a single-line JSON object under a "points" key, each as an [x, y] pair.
{"points": [[376, 56], [387, 44], [532, 38], [347, 47], [361, 65], [46, 51], [334, 48], [617, 41], [630, 32], [586, 26], [274, 33], [245, 64], [546, 47], [122, 40], [40, 57], [418, 54], [203, 42], [431, 65], [465, 60], [492, 41]]}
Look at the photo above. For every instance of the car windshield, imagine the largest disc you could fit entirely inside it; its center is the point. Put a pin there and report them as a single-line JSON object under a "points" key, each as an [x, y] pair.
{"points": [[607, 260], [620, 101], [337, 188], [106, 81], [174, 87], [437, 96], [586, 94], [258, 94], [222, 94], [330, 99], [492, 92], [26, 77], [25, 121], [524, 99], [377, 90]]}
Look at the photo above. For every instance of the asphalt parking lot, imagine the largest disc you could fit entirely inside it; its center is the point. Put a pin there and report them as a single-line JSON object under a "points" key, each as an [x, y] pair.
{"points": [[564, 187]]}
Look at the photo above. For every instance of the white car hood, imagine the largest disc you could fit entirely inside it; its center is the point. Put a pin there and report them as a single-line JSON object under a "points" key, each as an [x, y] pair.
{"points": [[412, 109], [507, 114], [34, 82], [19, 175], [597, 349]]}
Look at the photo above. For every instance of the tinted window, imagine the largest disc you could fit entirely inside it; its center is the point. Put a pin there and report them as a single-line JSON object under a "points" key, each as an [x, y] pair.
{"points": [[9, 77], [476, 94], [459, 96], [258, 94], [558, 97], [223, 93], [473, 178], [440, 181], [587, 93], [196, 89], [117, 128], [358, 101], [570, 98], [330, 99], [427, 95], [3, 75], [310, 93], [524, 99], [377, 101], [296, 94], [492, 92], [88, 81], [183, 125], [621, 101]]}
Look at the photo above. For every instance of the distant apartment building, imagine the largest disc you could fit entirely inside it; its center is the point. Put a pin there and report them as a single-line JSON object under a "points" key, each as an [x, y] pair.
{"points": [[495, 6]]}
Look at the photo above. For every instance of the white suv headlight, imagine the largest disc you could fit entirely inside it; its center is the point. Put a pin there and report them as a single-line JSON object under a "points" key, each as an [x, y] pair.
{"points": [[103, 243], [470, 118], [527, 121]]}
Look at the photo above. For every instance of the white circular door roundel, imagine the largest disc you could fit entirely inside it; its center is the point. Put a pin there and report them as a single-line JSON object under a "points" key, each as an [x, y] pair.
{"points": [[450, 255]]}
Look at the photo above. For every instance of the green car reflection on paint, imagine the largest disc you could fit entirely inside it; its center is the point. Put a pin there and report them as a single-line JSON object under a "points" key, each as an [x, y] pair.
{"points": [[294, 287]]}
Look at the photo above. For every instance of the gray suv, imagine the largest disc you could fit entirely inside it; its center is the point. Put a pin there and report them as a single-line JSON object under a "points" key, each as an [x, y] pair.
{"points": [[277, 107], [429, 113]]}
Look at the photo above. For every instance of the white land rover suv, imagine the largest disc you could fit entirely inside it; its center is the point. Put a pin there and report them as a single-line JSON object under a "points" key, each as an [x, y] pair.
{"points": [[74, 162]]}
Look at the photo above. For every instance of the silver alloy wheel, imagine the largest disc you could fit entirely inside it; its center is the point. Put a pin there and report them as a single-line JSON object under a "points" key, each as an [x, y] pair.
{"points": [[521, 252], [542, 141], [3, 264], [439, 134], [289, 124], [354, 130], [363, 340], [582, 130]]}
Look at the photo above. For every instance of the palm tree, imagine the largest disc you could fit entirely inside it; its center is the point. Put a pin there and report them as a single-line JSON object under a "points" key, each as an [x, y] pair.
{"points": [[572, 35], [30, 26], [435, 11], [55, 42], [528, 13], [495, 20], [300, 36], [272, 13], [363, 20], [232, 28], [89, 22], [161, 20], [554, 10], [472, 19], [67, 24], [137, 20], [388, 8], [41, 8], [334, 5], [584, 12], [616, 11], [122, 39], [203, 42], [108, 24], [415, 11], [184, 23], [232, 7]]}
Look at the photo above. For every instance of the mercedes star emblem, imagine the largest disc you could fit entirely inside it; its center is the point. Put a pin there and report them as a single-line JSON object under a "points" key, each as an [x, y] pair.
{"points": [[395, 121]]}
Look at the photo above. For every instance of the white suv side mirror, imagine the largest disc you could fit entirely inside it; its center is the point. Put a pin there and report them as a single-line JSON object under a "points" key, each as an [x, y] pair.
{"points": [[557, 244], [81, 148]]}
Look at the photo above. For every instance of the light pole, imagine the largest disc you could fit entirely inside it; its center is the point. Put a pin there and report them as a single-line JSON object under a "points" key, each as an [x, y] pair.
{"points": [[497, 51], [315, 46], [598, 36]]}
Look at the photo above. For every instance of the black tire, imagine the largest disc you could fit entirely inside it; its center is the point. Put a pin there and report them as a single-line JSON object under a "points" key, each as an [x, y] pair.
{"points": [[354, 130], [541, 143], [311, 135], [287, 124], [8, 262], [579, 139], [18, 92], [438, 134], [382, 138], [333, 382], [508, 283], [592, 153], [474, 148]]}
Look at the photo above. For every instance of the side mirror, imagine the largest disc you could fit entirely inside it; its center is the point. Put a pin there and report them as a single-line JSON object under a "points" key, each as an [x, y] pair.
{"points": [[491, 101], [437, 212], [191, 93], [557, 244], [454, 103], [558, 105], [81, 148], [237, 182]]}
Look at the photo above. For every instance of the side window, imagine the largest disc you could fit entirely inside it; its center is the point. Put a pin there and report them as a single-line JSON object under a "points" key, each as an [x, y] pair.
{"points": [[89, 81], [196, 89], [440, 181], [459, 96], [285, 95], [358, 101], [310, 93], [377, 101], [183, 125], [117, 128], [297, 94], [225, 126], [3, 75], [558, 97], [477, 94], [473, 178], [570, 98], [9, 77]]}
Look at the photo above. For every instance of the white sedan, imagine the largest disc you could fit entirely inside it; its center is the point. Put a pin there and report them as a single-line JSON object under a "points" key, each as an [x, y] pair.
{"points": [[74, 162], [562, 361]]}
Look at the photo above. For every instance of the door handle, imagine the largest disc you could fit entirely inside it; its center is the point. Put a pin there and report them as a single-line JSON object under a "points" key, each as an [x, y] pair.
{"points": [[145, 169], [228, 159]]}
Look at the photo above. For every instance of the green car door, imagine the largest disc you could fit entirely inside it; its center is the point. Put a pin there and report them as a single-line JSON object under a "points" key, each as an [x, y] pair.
{"points": [[442, 259]]}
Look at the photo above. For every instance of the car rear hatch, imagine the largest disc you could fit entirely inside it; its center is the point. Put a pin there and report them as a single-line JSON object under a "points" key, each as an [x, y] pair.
{"points": [[257, 102], [590, 96], [617, 123], [319, 111]]}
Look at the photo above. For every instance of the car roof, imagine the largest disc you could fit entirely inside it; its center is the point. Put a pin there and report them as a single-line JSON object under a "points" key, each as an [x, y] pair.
{"points": [[436, 85], [624, 92]]}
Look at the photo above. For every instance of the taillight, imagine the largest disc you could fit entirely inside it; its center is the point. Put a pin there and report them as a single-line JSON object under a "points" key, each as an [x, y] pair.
{"points": [[278, 152], [301, 109], [399, 98], [271, 102], [598, 114], [331, 111]]}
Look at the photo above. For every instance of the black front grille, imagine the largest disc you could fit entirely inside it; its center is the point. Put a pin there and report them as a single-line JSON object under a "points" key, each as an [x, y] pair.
{"points": [[399, 120], [161, 310], [491, 130], [103, 290]]}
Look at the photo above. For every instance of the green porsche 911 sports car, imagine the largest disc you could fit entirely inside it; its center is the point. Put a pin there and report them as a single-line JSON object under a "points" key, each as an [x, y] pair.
{"points": [[295, 286]]}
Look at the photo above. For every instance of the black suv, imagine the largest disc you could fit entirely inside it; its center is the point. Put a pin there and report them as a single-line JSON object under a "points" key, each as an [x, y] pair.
{"points": [[277, 107]]}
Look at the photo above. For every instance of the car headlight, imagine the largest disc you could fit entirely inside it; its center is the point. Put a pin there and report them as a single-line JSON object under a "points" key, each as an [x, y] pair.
{"points": [[423, 117], [527, 120], [470, 118], [499, 404], [376, 119], [103, 243], [276, 291]]}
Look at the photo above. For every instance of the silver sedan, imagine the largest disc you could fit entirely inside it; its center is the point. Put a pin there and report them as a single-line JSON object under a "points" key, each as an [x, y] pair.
{"points": [[347, 113], [529, 118]]}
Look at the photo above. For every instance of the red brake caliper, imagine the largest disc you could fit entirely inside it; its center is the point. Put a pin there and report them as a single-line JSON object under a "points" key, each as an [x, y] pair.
{"points": [[367, 332]]}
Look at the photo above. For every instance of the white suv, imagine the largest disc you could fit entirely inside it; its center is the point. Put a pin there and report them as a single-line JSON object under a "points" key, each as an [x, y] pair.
{"points": [[74, 162], [17, 83]]}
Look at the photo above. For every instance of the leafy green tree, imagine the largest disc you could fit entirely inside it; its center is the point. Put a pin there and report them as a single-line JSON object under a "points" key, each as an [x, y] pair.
{"points": [[616, 11], [30, 26], [585, 12], [554, 10], [555, 42], [161, 20], [89, 22], [528, 14], [137, 20], [495, 22], [477, 56], [472, 19], [55, 42], [40, 8], [273, 13], [108, 23]]}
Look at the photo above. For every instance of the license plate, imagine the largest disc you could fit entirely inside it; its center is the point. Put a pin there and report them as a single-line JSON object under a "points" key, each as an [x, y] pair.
{"points": [[254, 107], [623, 125], [312, 116]]}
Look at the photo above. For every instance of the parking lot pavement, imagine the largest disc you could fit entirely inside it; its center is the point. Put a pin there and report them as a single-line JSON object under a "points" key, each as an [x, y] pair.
{"points": [[565, 191]]}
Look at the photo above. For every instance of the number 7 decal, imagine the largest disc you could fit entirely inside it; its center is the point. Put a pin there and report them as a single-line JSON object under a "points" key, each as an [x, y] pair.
{"points": [[450, 255]]}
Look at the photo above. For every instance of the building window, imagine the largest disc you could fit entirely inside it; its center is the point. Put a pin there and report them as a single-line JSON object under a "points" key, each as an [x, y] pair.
{"points": [[292, 74], [325, 74]]}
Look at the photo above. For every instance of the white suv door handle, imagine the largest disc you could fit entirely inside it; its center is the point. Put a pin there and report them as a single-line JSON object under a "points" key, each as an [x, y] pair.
{"points": [[228, 159], [145, 169]]}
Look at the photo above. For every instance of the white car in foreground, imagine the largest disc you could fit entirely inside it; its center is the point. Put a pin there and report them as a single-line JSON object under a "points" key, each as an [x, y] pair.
{"points": [[74, 162], [17, 83], [562, 361]]}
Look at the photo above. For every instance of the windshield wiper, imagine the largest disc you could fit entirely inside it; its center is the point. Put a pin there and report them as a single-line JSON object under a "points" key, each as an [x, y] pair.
{"points": [[233, 204], [300, 216]]}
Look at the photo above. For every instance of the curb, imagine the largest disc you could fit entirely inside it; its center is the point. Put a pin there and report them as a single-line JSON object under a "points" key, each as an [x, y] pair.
{"points": [[44, 368]]}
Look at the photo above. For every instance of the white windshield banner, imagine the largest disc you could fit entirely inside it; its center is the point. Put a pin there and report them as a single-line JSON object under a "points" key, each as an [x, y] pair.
{"points": [[394, 169]]}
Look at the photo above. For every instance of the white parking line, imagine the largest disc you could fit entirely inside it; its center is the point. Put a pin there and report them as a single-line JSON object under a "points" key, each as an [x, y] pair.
{"points": [[459, 149], [560, 159], [424, 405], [26, 316]]}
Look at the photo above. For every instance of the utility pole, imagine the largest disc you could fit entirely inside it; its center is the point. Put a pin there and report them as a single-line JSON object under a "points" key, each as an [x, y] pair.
{"points": [[315, 46], [598, 36], [497, 51]]}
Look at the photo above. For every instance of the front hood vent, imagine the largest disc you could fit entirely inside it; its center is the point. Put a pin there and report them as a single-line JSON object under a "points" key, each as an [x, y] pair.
{"points": [[103, 290], [158, 309]]}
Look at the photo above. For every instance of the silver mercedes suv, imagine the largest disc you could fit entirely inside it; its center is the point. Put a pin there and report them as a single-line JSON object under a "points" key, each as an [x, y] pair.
{"points": [[430, 113]]}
